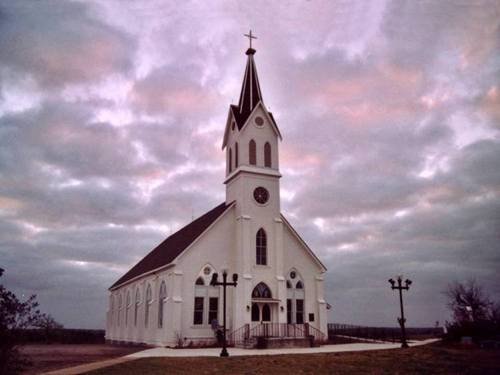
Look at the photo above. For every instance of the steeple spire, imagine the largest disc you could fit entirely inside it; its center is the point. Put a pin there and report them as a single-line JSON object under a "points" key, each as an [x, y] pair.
{"points": [[250, 91]]}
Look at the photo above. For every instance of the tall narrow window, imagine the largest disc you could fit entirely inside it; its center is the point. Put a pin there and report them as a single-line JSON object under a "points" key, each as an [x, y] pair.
{"points": [[213, 309], [127, 308], [198, 310], [295, 298], [236, 155], [300, 311], [252, 153], [261, 247], [111, 310], [136, 307], [149, 300], [162, 296], [230, 160], [289, 311], [267, 155], [119, 309]]}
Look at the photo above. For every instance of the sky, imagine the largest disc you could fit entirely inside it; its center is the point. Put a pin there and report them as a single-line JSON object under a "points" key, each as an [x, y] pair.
{"points": [[111, 122]]}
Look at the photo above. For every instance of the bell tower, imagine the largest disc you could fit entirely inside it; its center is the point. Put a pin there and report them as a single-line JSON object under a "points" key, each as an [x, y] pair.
{"points": [[251, 144], [251, 140]]}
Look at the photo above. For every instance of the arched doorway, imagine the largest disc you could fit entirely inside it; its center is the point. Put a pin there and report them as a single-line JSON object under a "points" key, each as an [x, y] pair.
{"points": [[264, 307]]}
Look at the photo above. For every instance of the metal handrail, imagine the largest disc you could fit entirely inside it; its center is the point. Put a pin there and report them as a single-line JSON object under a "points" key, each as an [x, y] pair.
{"points": [[278, 330]]}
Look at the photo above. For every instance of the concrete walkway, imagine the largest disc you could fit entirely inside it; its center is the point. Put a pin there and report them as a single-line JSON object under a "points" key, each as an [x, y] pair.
{"points": [[215, 352]]}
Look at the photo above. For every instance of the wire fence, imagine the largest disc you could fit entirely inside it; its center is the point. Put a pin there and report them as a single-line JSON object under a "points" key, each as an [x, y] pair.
{"points": [[340, 333]]}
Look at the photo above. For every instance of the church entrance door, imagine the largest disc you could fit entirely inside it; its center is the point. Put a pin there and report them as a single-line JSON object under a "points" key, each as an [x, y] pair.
{"points": [[261, 312]]}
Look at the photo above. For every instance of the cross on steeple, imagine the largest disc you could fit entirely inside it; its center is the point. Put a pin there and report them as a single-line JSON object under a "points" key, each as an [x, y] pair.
{"points": [[250, 37]]}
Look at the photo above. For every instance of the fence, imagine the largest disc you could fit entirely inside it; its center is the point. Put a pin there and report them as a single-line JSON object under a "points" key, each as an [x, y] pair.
{"points": [[392, 334]]}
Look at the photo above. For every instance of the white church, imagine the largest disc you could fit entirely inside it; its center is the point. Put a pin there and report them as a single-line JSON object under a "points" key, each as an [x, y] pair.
{"points": [[166, 299]]}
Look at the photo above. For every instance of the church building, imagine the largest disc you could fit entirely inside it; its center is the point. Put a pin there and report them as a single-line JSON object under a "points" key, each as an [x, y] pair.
{"points": [[166, 299]]}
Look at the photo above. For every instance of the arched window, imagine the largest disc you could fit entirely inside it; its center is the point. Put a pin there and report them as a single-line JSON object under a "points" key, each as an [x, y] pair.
{"points": [[236, 155], [252, 153], [127, 308], [206, 299], [230, 160], [137, 303], [261, 291], [119, 309], [266, 313], [261, 247], [111, 309], [295, 298], [149, 301], [267, 155], [162, 296]]}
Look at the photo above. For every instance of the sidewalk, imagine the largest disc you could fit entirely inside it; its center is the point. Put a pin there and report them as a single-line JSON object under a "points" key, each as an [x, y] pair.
{"points": [[215, 352], [233, 352]]}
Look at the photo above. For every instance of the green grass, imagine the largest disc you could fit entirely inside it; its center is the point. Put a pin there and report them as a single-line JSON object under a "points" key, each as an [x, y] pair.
{"points": [[431, 359]]}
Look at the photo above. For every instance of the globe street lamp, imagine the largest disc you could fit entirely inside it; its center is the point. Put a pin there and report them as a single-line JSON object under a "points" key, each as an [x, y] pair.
{"points": [[401, 320], [224, 284]]}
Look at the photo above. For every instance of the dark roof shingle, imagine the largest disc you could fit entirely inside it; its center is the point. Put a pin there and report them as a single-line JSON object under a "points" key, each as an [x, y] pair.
{"points": [[174, 245]]}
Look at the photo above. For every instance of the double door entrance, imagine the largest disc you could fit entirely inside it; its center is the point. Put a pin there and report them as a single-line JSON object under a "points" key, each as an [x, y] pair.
{"points": [[262, 312]]}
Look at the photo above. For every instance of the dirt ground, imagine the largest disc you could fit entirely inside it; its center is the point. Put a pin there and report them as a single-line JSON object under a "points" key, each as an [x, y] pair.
{"points": [[53, 357]]}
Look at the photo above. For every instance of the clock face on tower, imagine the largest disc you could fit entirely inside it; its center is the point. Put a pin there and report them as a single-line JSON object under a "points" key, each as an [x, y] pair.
{"points": [[261, 195]]}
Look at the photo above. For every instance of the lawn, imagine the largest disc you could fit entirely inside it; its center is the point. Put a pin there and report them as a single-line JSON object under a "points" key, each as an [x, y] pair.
{"points": [[56, 356], [437, 358]]}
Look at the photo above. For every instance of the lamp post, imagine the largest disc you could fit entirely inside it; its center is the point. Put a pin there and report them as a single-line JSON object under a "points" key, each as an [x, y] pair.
{"points": [[224, 284], [401, 320]]}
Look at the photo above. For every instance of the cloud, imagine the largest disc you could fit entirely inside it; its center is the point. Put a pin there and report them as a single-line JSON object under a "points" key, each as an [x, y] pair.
{"points": [[59, 45], [111, 119]]}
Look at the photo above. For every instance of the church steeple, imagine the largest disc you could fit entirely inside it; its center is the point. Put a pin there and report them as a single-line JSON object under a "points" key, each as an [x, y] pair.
{"points": [[250, 91], [245, 111]]}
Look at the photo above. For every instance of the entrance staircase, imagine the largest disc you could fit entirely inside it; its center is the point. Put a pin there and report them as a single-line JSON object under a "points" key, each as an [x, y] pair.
{"points": [[276, 335]]}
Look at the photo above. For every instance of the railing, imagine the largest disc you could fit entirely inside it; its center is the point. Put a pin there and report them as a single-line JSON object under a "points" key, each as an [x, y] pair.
{"points": [[319, 337], [239, 336], [279, 330]]}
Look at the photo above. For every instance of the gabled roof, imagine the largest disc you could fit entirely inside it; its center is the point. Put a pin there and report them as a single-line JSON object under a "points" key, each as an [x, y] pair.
{"points": [[174, 245], [297, 236], [250, 97], [241, 122]]}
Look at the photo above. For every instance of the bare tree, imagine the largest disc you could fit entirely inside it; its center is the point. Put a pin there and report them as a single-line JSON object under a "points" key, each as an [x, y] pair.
{"points": [[15, 317], [468, 302]]}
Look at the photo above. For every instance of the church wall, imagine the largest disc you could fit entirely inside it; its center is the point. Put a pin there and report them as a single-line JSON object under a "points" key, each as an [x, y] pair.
{"points": [[139, 333], [296, 256], [217, 249]]}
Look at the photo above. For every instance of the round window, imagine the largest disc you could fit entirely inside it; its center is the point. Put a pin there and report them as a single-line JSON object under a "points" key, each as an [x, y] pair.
{"points": [[293, 274], [259, 121], [207, 270]]}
